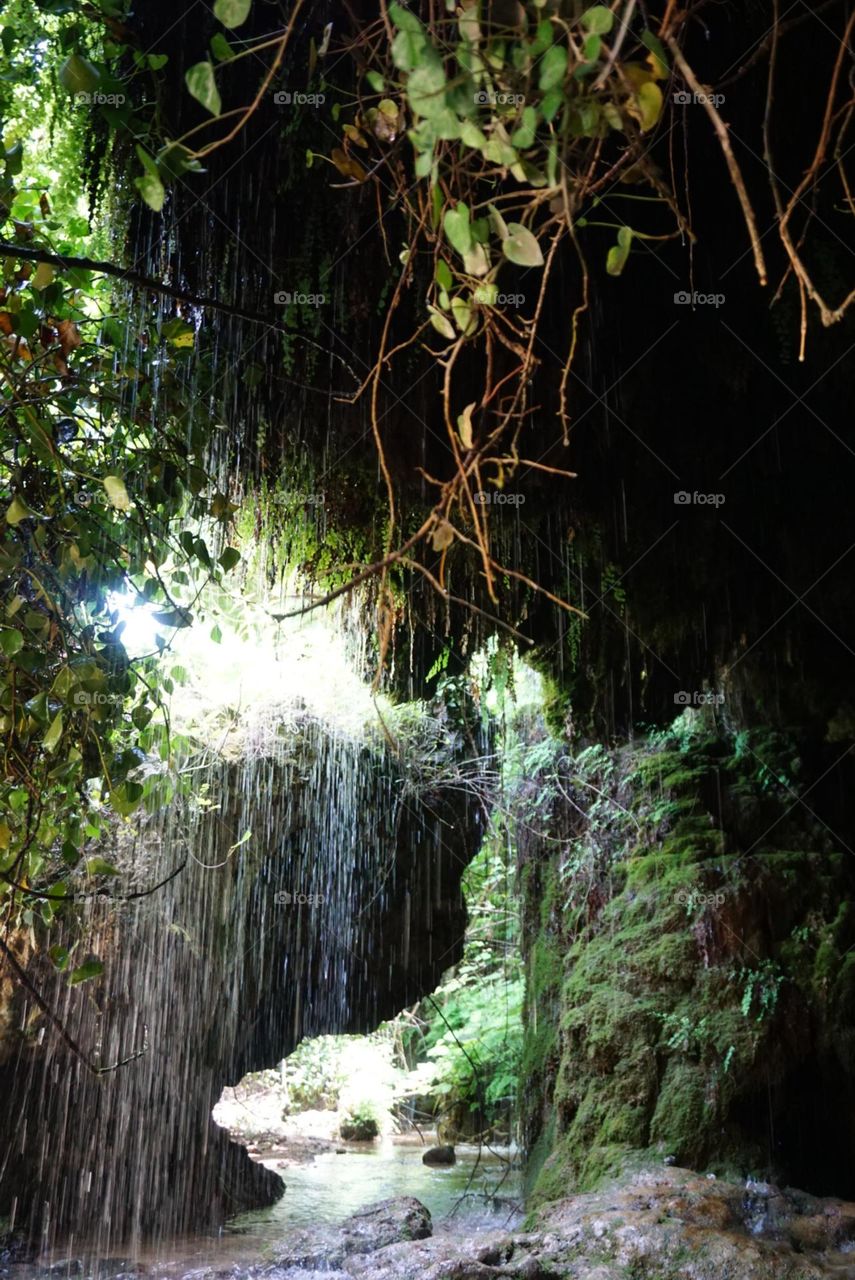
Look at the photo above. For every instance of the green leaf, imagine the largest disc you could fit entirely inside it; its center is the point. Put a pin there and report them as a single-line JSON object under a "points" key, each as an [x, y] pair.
{"points": [[83, 973], [150, 184], [441, 323], [457, 229], [374, 78], [475, 260], [523, 136], [125, 798], [497, 222], [202, 85], [11, 642], [157, 61], [598, 20], [463, 318], [117, 493], [18, 510], [472, 136], [70, 853], [229, 559], [174, 158], [59, 955], [404, 19], [220, 47], [51, 739], [426, 89], [77, 75], [551, 104], [98, 867], [174, 618], [442, 274], [649, 101], [406, 48], [232, 13], [592, 48], [499, 151], [553, 68], [521, 247], [179, 333], [656, 47], [618, 254], [486, 294]]}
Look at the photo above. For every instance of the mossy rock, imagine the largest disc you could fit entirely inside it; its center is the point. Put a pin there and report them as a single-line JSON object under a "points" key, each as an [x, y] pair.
{"points": [[693, 948]]}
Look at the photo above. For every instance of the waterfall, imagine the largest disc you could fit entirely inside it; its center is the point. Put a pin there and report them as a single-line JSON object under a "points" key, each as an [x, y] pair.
{"points": [[339, 908]]}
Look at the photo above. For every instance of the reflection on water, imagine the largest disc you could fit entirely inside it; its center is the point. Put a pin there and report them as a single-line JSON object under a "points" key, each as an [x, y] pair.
{"points": [[470, 1195], [476, 1194]]}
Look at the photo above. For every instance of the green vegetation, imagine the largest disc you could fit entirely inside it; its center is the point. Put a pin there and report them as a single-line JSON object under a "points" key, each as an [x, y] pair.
{"points": [[107, 502], [674, 990]]}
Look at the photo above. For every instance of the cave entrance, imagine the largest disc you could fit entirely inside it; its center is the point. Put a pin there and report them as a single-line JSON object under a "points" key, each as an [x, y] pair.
{"points": [[346, 1120], [331, 1091]]}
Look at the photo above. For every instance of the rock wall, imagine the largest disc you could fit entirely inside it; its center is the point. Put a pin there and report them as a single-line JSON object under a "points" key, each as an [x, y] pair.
{"points": [[342, 906], [690, 962]]}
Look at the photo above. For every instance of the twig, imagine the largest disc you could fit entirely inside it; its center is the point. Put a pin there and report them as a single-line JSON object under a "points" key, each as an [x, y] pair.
{"points": [[720, 127], [64, 1034]]}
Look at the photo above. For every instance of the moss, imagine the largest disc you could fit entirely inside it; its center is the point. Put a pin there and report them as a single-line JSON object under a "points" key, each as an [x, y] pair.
{"points": [[653, 924], [681, 1114]]}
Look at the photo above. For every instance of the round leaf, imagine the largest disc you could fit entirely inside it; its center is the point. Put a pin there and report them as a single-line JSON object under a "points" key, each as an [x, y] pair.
{"points": [[521, 247], [232, 13], [598, 20]]}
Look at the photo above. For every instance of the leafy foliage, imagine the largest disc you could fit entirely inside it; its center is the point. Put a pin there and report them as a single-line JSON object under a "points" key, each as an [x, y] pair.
{"points": [[105, 494]]}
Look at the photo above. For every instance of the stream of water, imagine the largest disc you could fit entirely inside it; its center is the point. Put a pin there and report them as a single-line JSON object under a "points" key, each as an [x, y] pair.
{"points": [[482, 1191]]}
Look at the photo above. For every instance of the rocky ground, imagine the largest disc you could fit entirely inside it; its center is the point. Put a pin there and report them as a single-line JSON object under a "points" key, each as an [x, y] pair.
{"points": [[655, 1225]]}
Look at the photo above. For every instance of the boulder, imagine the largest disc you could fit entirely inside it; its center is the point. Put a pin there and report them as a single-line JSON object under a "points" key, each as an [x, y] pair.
{"points": [[388, 1222], [439, 1155], [667, 1224]]}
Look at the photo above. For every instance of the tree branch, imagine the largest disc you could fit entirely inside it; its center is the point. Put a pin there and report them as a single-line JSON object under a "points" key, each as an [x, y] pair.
{"points": [[132, 277], [64, 1035]]}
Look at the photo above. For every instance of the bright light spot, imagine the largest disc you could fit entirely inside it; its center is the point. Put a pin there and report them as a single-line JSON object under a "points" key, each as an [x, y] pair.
{"points": [[141, 630], [244, 680]]}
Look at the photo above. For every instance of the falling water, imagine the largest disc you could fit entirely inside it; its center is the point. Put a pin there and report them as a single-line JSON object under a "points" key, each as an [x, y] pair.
{"points": [[340, 907]]}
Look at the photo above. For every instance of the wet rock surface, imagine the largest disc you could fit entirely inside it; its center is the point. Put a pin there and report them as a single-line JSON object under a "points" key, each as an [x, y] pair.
{"points": [[439, 1155], [668, 1225], [371, 1230]]}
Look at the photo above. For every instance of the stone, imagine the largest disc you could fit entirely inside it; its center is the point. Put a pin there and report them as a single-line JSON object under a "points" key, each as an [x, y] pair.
{"points": [[388, 1222], [667, 1224], [439, 1155]]}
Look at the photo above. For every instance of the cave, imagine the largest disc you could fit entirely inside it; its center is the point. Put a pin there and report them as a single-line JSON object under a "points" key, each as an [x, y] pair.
{"points": [[514, 341]]}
